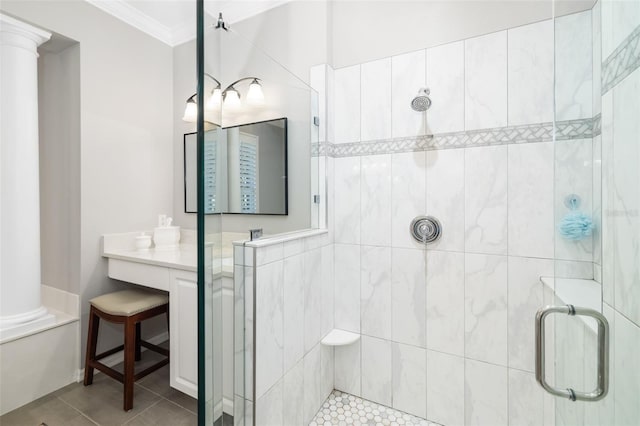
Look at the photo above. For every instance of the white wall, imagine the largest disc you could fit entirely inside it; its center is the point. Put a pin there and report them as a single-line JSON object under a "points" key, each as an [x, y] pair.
{"points": [[59, 130], [286, 96], [184, 85], [126, 171], [296, 34]]}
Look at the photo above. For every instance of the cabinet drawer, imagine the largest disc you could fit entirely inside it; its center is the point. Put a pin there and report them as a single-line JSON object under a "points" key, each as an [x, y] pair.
{"points": [[139, 273]]}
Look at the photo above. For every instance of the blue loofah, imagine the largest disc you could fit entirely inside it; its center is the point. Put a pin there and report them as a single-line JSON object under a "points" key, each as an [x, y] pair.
{"points": [[576, 226]]}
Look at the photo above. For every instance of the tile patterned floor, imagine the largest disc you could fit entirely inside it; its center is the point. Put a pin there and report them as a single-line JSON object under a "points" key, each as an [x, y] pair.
{"points": [[345, 409], [155, 403]]}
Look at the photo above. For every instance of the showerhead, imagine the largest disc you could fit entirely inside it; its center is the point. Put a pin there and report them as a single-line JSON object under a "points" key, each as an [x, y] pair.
{"points": [[421, 102]]}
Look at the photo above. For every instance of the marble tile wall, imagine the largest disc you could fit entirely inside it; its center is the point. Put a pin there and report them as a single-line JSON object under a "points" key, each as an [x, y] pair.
{"points": [[294, 310], [441, 324]]}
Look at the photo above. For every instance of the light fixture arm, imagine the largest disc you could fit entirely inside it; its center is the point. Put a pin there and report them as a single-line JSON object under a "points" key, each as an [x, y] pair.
{"points": [[192, 98], [256, 79], [214, 79]]}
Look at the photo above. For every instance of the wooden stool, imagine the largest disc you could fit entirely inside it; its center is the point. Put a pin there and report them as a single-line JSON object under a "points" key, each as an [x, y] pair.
{"points": [[128, 307]]}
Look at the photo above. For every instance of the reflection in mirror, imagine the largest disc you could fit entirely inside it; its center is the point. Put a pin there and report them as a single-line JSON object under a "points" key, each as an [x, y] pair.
{"points": [[245, 169]]}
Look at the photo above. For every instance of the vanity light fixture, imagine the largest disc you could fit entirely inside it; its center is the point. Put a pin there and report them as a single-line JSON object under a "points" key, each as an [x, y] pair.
{"points": [[229, 97], [191, 109], [255, 96]]}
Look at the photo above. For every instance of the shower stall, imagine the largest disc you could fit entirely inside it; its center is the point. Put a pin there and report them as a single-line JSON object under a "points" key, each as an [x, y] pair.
{"points": [[466, 256]]}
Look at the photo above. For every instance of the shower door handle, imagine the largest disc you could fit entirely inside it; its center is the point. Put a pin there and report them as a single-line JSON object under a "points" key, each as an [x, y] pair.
{"points": [[603, 353]]}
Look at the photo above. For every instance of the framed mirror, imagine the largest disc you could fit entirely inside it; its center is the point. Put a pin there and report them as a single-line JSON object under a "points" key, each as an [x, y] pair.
{"points": [[245, 169]]}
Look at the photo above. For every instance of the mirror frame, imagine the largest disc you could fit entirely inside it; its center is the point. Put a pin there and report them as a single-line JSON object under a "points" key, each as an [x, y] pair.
{"points": [[286, 168]]}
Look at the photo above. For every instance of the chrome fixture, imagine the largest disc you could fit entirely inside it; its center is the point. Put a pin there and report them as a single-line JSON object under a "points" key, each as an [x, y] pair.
{"points": [[422, 101], [221, 23], [572, 201], [254, 234], [230, 97], [603, 353], [425, 229]]}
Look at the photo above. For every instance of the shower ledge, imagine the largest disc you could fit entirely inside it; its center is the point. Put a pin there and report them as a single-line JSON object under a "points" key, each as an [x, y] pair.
{"points": [[337, 337], [581, 292]]}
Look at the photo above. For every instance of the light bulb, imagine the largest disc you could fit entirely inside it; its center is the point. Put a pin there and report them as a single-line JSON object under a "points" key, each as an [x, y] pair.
{"points": [[214, 99], [232, 99], [255, 95], [191, 112]]}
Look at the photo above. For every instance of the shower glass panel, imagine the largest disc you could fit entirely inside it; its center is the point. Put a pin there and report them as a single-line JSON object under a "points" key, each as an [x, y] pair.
{"points": [[596, 203], [210, 246], [285, 96], [233, 64]]}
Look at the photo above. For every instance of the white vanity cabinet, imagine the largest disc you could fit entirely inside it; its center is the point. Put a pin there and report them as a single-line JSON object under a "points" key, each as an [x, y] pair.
{"points": [[183, 312], [174, 271]]}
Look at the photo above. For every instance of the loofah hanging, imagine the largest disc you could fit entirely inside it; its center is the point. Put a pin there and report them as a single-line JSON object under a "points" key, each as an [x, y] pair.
{"points": [[576, 225]]}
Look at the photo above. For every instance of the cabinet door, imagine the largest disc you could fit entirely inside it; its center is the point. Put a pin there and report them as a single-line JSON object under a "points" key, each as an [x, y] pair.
{"points": [[183, 307]]}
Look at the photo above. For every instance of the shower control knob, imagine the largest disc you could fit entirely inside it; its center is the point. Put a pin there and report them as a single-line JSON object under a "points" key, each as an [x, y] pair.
{"points": [[425, 229]]}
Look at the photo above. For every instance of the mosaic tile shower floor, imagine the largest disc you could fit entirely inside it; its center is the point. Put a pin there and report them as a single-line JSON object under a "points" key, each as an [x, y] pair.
{"points": [[345, 409]]}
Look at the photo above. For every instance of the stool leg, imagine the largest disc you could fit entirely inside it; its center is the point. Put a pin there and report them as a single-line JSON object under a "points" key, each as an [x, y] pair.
{"points": [[92, 343], [129, 360], [138, 339]]}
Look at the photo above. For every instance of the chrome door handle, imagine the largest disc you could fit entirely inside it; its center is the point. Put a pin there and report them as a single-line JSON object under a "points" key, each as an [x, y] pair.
{"points": [[603, 353]]}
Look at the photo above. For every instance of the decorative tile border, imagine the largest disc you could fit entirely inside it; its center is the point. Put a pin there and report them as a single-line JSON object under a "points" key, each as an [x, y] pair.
{"points": [[574, 129], [597, 125], [622, 62], [507, 135], [530, 133]]}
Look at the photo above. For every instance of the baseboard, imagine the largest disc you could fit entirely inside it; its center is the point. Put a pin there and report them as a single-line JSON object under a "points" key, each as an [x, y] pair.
{"points": [[118, 357]]}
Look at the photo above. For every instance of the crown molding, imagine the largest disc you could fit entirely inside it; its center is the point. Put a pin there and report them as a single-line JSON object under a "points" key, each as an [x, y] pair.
{"points": [[183, 33], [134, 17], [186, 31]]}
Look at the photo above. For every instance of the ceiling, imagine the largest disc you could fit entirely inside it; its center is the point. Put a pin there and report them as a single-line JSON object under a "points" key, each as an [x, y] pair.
{"points": [[174, 21]]}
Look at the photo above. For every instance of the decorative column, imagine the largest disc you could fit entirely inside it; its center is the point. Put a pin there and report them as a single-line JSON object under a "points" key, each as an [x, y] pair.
{"points": [[20, 281]]}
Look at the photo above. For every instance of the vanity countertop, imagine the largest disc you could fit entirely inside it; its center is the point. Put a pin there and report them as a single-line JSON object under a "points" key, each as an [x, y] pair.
{"points": [[183, 257]]}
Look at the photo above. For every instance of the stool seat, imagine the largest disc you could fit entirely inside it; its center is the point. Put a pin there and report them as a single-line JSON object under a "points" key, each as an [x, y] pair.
{"points": [[129, 302]]}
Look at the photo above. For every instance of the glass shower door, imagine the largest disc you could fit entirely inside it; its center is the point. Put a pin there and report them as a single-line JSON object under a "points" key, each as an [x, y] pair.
{"points": [[592, 337]]}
